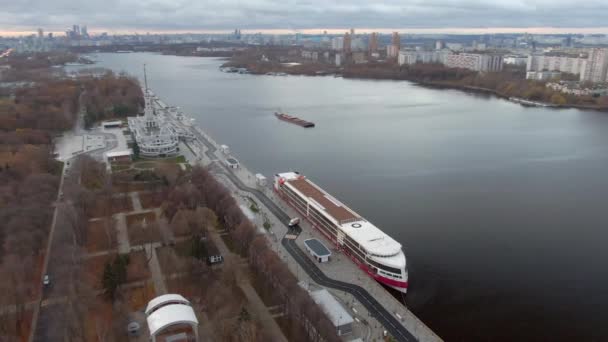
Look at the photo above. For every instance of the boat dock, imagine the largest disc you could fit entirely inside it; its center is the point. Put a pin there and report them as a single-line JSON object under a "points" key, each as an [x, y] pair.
{"points": [[374, 309]]}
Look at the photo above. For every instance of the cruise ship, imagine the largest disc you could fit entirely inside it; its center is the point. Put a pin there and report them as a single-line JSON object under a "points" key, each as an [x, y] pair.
{"points": [[370, 248]]}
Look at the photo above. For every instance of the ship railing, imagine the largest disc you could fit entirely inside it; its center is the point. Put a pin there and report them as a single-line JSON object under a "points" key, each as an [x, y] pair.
{"points": [[349, 220]]}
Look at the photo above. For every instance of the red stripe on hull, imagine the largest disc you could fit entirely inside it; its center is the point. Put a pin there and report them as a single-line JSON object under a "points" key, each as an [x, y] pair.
{"points": [[400, 286]]}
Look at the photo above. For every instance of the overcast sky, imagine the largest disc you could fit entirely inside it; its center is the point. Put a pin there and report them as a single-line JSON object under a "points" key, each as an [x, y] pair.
{"points": [[200, 15]]}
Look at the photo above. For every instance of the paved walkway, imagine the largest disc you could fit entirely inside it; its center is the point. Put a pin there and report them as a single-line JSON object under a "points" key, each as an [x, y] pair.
{"points": [[256, 305], [260, 311], [121, 233], [135, 200], [157, 274]]}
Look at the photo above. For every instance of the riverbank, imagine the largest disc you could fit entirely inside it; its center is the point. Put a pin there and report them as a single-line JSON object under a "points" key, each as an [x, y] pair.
{"points": [[509, 84]]}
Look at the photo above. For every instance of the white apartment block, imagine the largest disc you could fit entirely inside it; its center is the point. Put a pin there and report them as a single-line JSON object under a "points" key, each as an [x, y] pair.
{"points": [[337, 43], [597, 66], [413, 57], [573, 65], [475, 62], [471, 61], [515, 60]]}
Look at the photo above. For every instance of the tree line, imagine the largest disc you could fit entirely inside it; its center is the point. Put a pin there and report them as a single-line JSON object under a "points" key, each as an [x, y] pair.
{"points": [[111, 97], [29, 177], [299, 306], [511, 82]]}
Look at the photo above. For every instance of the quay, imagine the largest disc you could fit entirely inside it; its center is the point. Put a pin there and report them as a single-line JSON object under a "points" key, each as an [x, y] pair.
{"points": [[374, 309]]}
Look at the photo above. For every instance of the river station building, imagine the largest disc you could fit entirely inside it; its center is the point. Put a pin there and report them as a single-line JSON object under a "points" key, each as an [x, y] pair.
{"points": [[154, 137]]}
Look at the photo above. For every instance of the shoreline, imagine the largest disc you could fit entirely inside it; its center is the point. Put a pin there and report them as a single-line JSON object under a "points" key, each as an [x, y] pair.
{"points": [[339, 72], [390, 312]]}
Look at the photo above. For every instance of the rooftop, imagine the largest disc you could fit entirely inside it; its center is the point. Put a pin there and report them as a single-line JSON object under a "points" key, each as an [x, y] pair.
{"points": [[164, 300], [169, 315], [324, 201], [334, 310], [119, 153], [317, 247]]}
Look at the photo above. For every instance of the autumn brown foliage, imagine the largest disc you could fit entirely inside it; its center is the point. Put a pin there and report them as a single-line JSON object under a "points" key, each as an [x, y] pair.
{"points": [[110, 97], [299, 306]]}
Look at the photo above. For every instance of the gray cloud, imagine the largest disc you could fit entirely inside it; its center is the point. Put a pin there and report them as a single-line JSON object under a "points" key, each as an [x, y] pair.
{"points": [[298, 14]]}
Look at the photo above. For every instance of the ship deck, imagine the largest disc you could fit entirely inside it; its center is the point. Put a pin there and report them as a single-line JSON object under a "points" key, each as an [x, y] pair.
{"points": [[331, 205]]}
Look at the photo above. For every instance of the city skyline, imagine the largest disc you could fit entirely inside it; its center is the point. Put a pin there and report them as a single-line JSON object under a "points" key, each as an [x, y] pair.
{"points": [[332, 31], [270, 15]]}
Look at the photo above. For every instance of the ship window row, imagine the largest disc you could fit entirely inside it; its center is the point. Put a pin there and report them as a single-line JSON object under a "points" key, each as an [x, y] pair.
{"points": [[353, 242], [296, 200], [384, 267], [356, 252], [312, 214], [328, 227], [321, 226], [322, 217], [389, 274], [294, 197], [384, 255]]}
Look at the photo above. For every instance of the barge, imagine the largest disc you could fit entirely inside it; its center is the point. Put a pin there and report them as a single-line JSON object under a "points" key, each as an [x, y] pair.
{"points": [[294, 120]]}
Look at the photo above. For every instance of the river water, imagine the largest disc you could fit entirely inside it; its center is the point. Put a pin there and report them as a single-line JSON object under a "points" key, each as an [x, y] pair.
{"points": [[501, 209]]}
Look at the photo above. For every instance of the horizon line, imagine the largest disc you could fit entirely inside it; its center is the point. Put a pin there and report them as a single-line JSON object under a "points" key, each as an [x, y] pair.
{"points": [[451, 30]]}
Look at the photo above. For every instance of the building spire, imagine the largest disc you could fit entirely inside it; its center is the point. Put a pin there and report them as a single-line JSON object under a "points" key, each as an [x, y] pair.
{"points": [[145, 78]]}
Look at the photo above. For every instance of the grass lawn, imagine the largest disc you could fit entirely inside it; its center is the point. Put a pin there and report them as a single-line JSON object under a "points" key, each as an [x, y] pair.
{"points": [[151, 199], [98, 318], [145, 165], [139, 296], [174, 259], [94, 269], [117, 205], [120, 167], [138, 267], [101, 235], [140, 234]]}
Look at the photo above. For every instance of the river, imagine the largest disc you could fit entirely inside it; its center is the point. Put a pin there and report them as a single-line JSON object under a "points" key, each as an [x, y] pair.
{"points": [[501, 209]]}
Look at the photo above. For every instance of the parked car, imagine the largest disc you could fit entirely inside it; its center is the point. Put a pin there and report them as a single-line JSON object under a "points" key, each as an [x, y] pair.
{"points": [[46, 281], [294, 222]]}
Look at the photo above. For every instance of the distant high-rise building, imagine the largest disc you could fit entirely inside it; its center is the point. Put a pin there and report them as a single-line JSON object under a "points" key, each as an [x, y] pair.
{"points": [[337, 43], [596, 67], [346, 47], [392, 51], [352, 32], [357, 44], [40, 33], [438, 45], [76, 30], [84, 32], [373, 42], [396, 40]]}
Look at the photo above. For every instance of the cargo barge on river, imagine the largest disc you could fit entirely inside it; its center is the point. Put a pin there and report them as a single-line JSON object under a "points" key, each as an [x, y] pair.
{"points": [[294, 120]]}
